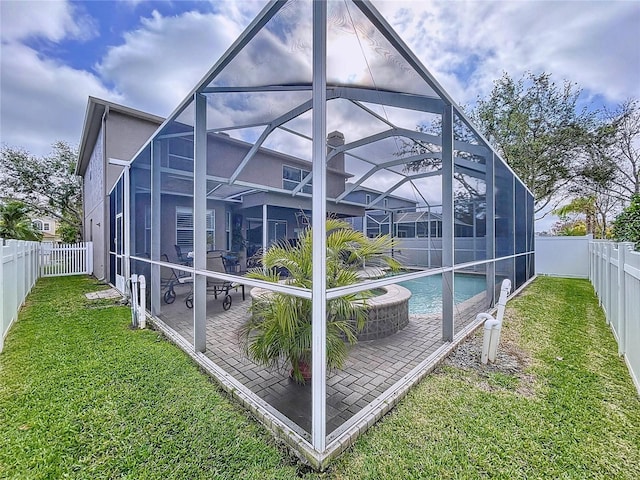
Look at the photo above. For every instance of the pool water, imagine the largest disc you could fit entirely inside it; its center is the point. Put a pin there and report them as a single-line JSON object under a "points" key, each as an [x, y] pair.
{"points": [[426, 292]]}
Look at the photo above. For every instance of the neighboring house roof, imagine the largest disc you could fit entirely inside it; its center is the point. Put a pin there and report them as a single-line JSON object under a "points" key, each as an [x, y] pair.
{"points": [[362, 188], [96, 108], [422, 216]]}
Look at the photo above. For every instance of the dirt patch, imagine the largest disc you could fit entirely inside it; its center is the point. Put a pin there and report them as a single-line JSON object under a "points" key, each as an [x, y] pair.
{"points": [[509, 372]]}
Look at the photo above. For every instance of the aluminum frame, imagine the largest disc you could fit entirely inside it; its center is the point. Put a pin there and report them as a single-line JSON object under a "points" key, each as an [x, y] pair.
{"points": [[321, 93]]}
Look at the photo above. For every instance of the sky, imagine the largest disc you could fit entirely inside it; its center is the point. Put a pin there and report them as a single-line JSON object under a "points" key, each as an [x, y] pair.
{"points": [[149, 55]]}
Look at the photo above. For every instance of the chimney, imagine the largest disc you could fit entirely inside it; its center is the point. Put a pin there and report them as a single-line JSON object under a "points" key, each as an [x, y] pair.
{"points": [[335, 139]]}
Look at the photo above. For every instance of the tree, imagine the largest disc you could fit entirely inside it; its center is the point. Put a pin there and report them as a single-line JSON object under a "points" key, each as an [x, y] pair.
{"points": [[613, 156], [569, 228], [533, 124], [626, 226], [609, 171], [589, 212], [48, 185], [15, 222], [278, 333]]}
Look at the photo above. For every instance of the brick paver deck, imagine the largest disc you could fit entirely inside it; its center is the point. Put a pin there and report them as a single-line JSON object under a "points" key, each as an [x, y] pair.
{"points": [[371, 368]]}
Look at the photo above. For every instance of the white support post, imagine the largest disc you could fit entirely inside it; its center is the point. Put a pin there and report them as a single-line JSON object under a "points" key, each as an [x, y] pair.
{"points": [[142, 299], [200, 223], [490, 227], [447, 224], [429, 244], [156, 289], [265, 229], [364, 224], [318, 220], [126, 217]]}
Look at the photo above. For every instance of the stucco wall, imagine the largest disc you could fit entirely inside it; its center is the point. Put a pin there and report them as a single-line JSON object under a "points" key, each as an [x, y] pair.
{"points": [[264, 168], [168, 223], [125, 136], [95, 228]]}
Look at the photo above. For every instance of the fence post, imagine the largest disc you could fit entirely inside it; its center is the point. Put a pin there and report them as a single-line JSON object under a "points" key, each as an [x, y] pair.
{"points": [[23, 272], [607, 284], [13, 250], [591, 261], [596, 276], [36, 262], [2, 296], [621, 299], [601, 270]]}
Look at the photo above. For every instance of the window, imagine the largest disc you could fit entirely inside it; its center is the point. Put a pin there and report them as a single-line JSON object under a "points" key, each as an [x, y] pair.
{"points": [[184, 228], [367, 199], [293, 176], [37, 224], [180, 154], [46, 227]]}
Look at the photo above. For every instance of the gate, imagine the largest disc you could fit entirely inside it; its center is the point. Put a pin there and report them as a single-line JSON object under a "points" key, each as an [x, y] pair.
{"points": [[66, 259]]}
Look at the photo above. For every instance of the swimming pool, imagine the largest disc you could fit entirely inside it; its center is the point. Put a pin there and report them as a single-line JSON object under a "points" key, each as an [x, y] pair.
{"points": [[426, 292]]}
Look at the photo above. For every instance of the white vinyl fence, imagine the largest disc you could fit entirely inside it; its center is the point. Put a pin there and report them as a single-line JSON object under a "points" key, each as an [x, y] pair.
{"points": [[66, 259], [615, 275], [22, 263], [563, 256], [19, 270]]}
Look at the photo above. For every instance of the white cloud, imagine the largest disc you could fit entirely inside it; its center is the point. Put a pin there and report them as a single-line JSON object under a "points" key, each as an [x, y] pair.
{"points": [[159, 63], [53, 21], [592, 43], [42, 101]]}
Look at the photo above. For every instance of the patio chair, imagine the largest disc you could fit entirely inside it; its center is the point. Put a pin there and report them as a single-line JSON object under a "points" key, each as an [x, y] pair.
{"points": [[215, 263], [183, 258], [169, 278]]}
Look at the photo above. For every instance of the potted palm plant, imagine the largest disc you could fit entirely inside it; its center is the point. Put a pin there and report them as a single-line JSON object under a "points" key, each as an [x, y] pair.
{"points": [[278, 333]]}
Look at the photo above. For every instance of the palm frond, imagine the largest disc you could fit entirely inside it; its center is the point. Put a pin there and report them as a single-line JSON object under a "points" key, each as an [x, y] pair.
{"points": [[279, 332]]}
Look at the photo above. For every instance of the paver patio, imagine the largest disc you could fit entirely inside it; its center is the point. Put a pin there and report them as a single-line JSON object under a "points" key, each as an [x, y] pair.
{"points": [[371, 368]]}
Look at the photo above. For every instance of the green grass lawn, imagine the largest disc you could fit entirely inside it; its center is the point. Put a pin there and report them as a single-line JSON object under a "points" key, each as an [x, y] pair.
{"points": [[84, 396]]}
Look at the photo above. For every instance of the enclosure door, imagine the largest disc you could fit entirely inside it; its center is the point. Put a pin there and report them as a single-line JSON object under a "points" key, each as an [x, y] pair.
{"points": [[277, 231], [117, 240]]}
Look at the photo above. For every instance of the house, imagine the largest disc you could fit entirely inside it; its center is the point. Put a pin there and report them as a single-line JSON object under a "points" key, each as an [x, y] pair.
{"points": [[276, 189], [48, 226], [111, 134]]}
